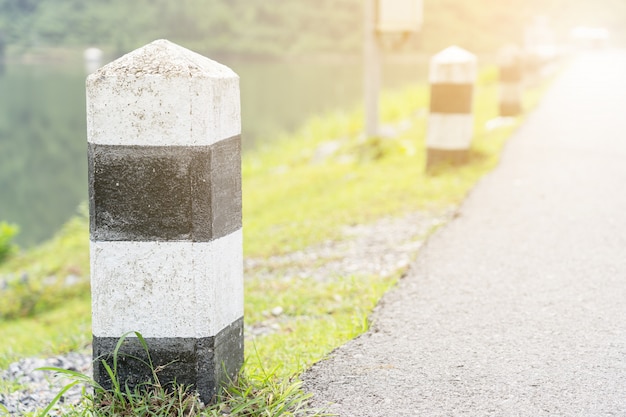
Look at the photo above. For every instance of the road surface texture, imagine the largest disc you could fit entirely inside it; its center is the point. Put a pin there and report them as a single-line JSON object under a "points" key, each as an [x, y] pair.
{"points": [[518, 306]]}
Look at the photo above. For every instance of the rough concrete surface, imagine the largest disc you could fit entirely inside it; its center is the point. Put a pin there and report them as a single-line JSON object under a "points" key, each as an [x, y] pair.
{"points": [[518, 306]]}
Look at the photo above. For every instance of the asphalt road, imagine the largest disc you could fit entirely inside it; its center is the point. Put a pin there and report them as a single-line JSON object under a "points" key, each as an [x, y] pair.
{"points": [[518, 306]]}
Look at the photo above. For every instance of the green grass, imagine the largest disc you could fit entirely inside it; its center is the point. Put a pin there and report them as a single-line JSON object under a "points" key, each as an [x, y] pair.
{"points": [[7, 232], [293, 197], [317, 317], [36, 279], [261, 394], [42, 334]]}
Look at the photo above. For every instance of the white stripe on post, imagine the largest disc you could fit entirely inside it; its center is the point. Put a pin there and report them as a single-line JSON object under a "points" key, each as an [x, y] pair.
{"points": [[170, 272], [450, 124], [165, 216], [511, 74]]}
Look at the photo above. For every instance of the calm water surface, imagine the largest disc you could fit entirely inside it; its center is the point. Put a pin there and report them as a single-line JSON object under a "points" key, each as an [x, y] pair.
{"points": [[43, 145]]}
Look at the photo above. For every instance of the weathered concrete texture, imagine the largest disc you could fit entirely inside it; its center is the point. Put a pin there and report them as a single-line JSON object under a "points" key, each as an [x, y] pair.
{"points": [[146, 193], [516, 307], [163, 95], [202, 363], [166, 289]]}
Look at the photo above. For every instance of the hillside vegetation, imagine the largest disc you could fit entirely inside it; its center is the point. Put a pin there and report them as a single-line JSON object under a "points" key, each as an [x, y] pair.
{"points": [[263, 28]]}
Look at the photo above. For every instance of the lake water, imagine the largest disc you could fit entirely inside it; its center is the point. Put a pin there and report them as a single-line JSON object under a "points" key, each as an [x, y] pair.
{"points": [[43, 162]]}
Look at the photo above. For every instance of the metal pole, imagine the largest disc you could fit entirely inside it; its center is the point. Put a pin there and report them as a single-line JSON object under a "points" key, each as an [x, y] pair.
{"points": [[371, 69]]}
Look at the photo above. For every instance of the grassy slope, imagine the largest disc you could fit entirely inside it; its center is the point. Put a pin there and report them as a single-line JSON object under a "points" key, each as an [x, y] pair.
{"points": [[292, 199]]}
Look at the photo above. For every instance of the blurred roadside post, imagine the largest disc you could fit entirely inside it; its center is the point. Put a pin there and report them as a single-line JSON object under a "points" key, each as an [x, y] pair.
{"points": [[511, 75], [451, 120], [396, 17], [540, 48]]}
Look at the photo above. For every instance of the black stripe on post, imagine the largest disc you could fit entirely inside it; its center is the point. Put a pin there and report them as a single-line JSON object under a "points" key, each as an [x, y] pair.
{"points": [[192, 362], [165, 193], [448, 98], [445, 157]]}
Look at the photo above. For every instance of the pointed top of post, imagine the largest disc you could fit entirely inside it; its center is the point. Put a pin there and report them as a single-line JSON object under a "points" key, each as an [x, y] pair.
{"points": [[163, 95], [166, 59], [453, 65], [454, 54]]}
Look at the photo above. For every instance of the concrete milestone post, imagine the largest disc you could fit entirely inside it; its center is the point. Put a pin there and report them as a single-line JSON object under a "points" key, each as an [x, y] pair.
{"points": [[165, 216], [511, 78], [540, 47], [451, 120]]}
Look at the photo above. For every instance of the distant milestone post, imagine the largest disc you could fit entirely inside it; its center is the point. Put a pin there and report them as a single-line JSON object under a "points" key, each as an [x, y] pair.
{"points": [[451, 119], [511, 78], [164, 130], [540, 47]]}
